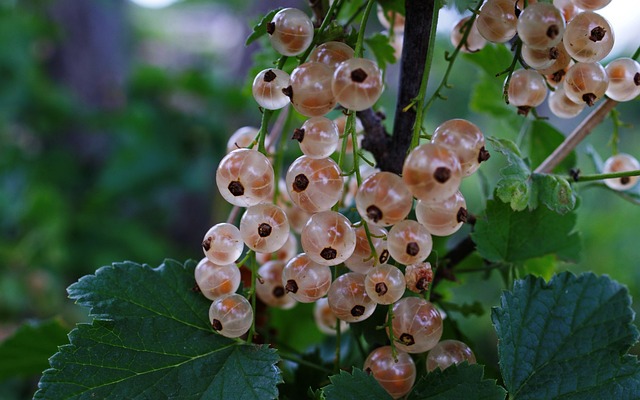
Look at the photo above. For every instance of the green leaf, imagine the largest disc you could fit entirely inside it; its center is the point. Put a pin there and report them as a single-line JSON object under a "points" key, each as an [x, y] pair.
{"points": [[27, 351], [504, 235], [356, 386], [260, 29], [567, 339], [151, 338], [542, 139], [461, 381], [382, 50]]}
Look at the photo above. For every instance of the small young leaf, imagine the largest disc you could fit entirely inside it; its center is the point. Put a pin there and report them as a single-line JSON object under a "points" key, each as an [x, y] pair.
{"points": [[382, 50], [151, 338], [260, 29], [356, 386], [461, 381], [567, 339]]}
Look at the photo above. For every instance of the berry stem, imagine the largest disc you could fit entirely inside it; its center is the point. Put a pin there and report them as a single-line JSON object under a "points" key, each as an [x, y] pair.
{"points": [[295, 359], [252, 291], [363, 25], [636, 54], [510, 69], [597, 177]]}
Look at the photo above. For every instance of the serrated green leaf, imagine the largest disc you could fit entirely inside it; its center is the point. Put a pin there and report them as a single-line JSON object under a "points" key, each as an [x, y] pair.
{"points": [[260, 29], [566, 339], [504, 235], [151, 338], [542, 139], [382, 49], [27, 351], [461, 381], [355, 386]]}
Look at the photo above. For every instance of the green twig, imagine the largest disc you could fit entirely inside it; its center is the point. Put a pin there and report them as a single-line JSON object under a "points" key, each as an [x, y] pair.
{"points": [[598, 177], [363, 25]]}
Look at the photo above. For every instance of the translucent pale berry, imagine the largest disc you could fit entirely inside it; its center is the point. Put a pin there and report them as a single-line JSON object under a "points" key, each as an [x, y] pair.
{"points": [[432, 172], [331, 54], [231, 315], [619, 163], [383, 199], [243, 137], [245, 178], [409, 242], [222, 244], [527, 89], [385, 284], [447, 353], [417, 325], [298, 217], [497, 21], [314, 184], [541, 26], [326, 320], [586, 83], [418, 276], [290, 31], [357, 83], [624, 79], [328, 238], [366, 171], [318, 137], [269, 287], [264, 228], [567, 8], [361, 260], [267, 88], [466, 140], [556, 79], [591, 4], [561, 60], [311, 93], [348, 298], [396, 374], [539, 59], [284, 253], [340, 123], [444, 217], [305, 280], [588, 37], [215, 281], [563, 107], [474, 42]]}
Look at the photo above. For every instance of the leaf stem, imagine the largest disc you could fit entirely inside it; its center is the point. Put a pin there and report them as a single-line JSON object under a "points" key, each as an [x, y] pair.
{"points": [[252, 290], [363, 25], [612, 175]]}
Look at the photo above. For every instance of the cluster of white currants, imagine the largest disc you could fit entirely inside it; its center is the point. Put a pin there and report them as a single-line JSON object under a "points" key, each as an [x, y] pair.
{"points": [[553, 36]]}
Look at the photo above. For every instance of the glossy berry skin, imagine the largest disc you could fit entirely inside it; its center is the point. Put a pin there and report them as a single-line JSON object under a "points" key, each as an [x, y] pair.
{"points": [[290, 31], [497, 21], [624, 79], [269, 287], [432, 172], [328, 238], [447, 353], [466, 140], [267, 88], [348, 298], [539, 59], [304, 280], [619, 163], [298, 217], [311, 93], [396, 375], [562, 60], [318, 137], [588, 37], [409, 242], [215, 281], [385, 284], [475, 42], [326, 320], [563, 107], [586, 83], [567, 8], [331, 54], [264, 228], [383, 199], [418, 276], [591, 4], [285, 253], [222, 244], [357, 84], [417, 325], [527, 89], [314, 184], [444, 217], [361, 260], [245, 178], [242, 137], [541, 26], [231, 315]]}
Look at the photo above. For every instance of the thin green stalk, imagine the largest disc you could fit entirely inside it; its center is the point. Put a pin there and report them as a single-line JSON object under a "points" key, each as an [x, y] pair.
{"points": [[363, 25], [252, 290], [636, 54], [336, 365], [300, 361], [612, 175], [266, 117], [510, 69]]}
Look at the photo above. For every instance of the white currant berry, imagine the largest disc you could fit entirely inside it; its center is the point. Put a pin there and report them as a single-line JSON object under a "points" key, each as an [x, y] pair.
{"points": [[245, 178], [264, 228], [432, 171], [241, 138], [539, 59], [561, 60], [409, 242], [331, 54], [621, 162], [541, 26], [357, 83], [586, 83], [416, 325], [348, 298], [328, 238], [383, 199], [563, 107], [591, 4], [624, 79], [305, 280], [285, 253], [466, 140], [214, 280], [444, 217], [475, 41], [297, 217], [310, 90], [385, 284], [231, 315], [447, 353], [567, 8], [326, 320], [290, 31], [222, 244], [314, 184], [362, 260], [341, 124], [395, 372], [267, 88], [588, 37], [318, 137], [418, 277], [497, 21], [527, 89], [269, 287]]}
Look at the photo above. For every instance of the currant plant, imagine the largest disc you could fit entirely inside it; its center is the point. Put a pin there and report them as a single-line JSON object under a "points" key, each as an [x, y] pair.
{"points": [[366, 220]]}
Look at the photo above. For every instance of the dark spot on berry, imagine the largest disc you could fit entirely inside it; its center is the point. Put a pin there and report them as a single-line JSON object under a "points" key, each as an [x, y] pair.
{"points": [[462, 214], [368, 371], [298, 134], [278, 291], [269, 76], [358, 75], [291, 286], [597, 34], [554, 53], [236, 188], [264, 229], [625, 180], [524, 110], [412, 248], [206, 244], [357, 311], [374, 213], [384, 256], [216, 325], [288, 91], [558, 75], [483, 155], [636, 79], [422, 284], [407, 339], [328, 253], [381, 288], [553, 31], [271, 27], [442, 174], [300, 183], [589, 98]]}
